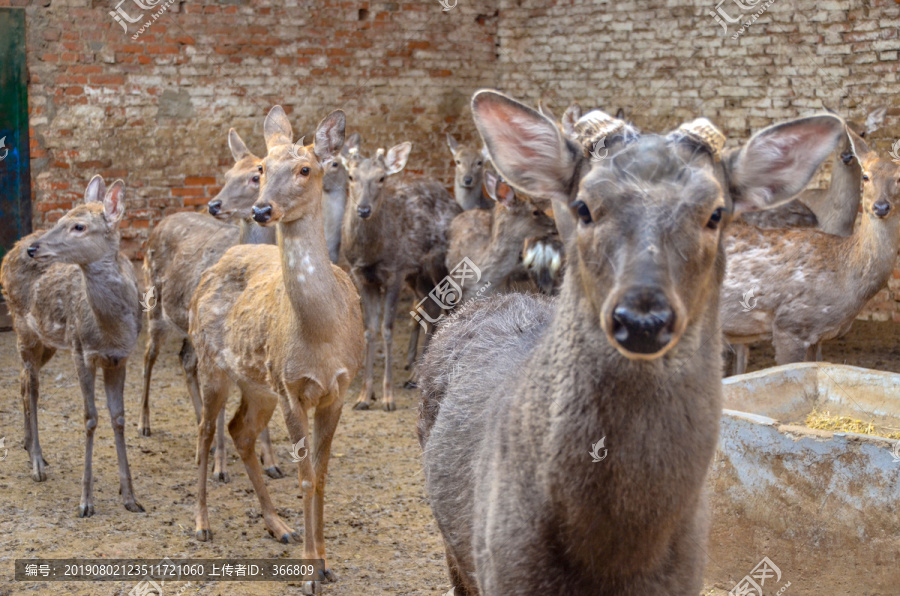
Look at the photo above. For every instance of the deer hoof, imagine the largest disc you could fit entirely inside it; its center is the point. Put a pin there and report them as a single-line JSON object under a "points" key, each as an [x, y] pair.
{"points": [[284, 539], [389, 406], [222, 477], [134, 507], [410, 384], [361, 405], [274, 472], [204, 535], [328, 575], [311, 588], [85, 510], [39, 475]]}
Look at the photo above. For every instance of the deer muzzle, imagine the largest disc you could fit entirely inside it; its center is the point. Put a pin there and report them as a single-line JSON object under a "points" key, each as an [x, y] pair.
{"points": [[642, 323], [262, 213]]}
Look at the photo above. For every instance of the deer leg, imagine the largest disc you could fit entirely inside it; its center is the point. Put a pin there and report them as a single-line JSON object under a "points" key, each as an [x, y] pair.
{"points": [[433, 310], [251, 418], [413, 348], [371, 301], [387, 333], [267, 455], [114, 383], [29, 383], [788, 348], [86, 375], [154, 339], [326, 423], [220, 460], [189, 364], [214, 391], [741, 356]]}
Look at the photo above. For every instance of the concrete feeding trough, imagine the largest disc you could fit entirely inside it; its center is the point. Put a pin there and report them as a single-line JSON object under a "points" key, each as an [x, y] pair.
{"points": [[824, 507]]}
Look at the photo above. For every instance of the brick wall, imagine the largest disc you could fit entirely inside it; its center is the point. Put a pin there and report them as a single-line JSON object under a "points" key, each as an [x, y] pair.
{"points": [[156, 110]]}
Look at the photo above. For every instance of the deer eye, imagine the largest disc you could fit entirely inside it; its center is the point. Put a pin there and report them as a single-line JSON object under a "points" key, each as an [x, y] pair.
{"points": [[584, 214], [716, 218], [304, 171], [350, 178], [259, 167], [381, 179], [478, 163], [457, 162], [865, 176], [78, 227], [334, 164], [255, 178]]}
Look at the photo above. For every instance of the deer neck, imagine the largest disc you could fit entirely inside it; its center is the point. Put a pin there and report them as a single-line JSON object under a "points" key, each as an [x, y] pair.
{"points": [[110, 293], [844, 189], [502, 254], [309, 280], [467, 198], [873, 252], [250, 233]]}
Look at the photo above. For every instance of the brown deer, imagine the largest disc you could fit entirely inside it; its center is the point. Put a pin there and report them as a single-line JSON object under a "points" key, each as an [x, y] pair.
{"points": [[517, 389], [834, 209], [395, 233], [493, 239], [801, 287], [284, 324], [69, 288], [468, 175], [179, 250]]}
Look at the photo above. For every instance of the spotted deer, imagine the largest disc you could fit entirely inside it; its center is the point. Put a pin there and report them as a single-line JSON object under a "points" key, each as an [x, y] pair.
{"points": [[801, 287], [493, 239], [394, 234], [468, 175], [515, 390], [283, 323], [69, 288], [179, 250]]}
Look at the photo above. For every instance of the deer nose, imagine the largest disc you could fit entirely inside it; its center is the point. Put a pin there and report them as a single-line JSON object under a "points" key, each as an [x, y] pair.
{"points": [[364, 211], [32, 250], [467, 180], [215, 207], [847, 157], [881, 208], [643, 321], [262, 214]]}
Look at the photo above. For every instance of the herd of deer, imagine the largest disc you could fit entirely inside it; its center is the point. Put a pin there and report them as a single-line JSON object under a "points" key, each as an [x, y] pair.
{"points": [[282, 291]]}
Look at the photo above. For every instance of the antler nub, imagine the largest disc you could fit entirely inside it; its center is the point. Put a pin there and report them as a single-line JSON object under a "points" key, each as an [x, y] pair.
{"points": [[705, 132], [593, 126]]}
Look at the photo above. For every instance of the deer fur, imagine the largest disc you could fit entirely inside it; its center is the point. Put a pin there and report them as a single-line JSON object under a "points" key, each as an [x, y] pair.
{"points": [[69, 288], [493, 239], [809, 286], [517, 389], [468, 175], [179, 250], [395, 233], [284, 324]]}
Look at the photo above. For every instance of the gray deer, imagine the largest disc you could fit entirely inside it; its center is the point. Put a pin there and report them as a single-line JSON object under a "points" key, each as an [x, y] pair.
{"points": [[518, 388]]}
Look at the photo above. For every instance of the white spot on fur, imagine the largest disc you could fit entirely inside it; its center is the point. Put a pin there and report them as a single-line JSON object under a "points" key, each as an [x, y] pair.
{"points": [[301, 278]]}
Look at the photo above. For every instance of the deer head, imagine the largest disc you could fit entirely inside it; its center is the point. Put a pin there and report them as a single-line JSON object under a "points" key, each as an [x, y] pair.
{"points": [[241, 187], [468, 162], [291, 183], [881, 180], [87, 233], [367, 177], [646, 254]]}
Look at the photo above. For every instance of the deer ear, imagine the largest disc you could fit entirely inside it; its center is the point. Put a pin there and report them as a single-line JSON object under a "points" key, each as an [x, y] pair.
{"points": [[779, 161], [330, 136], [526, 148], [238, 149], [499, 190], [114, 202], [95, 190], [277, 128], [451, 142], [570, 117], [875, 119], [397, 156]]}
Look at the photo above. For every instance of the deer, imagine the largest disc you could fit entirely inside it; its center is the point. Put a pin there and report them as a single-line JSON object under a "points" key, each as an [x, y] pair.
{"points": [[812, 285], [69, 288], [468, 175], [493, 239], [284, 324], [179, 249], [335, 200], [833, 210], [516, 390], [394, 233]]}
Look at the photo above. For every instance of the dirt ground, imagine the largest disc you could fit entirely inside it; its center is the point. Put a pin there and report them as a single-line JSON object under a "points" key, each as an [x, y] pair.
{"points": [[380, 534]]}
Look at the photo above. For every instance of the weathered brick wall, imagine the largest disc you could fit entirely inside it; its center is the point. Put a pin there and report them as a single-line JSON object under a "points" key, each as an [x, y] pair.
{"points": [[156, 110], [669, 62]]}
